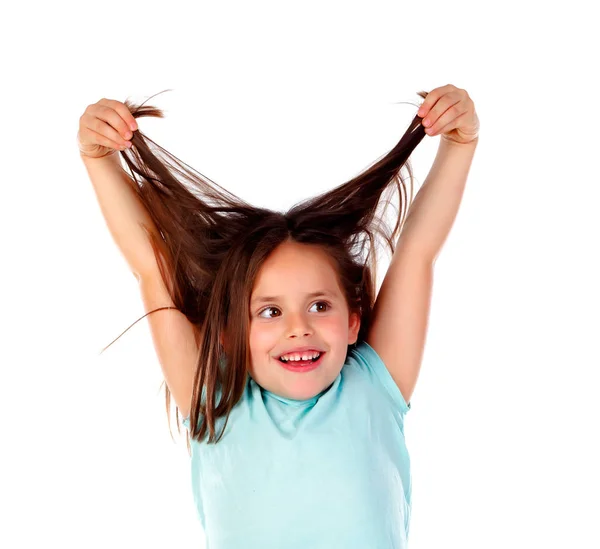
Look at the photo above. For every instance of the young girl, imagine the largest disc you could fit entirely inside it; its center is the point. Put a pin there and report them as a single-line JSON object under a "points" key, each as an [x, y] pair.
{"points": [[293, 377]]}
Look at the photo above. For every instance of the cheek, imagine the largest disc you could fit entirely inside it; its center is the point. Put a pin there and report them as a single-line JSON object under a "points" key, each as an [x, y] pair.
{"points": [[262, 336], [336, 328], [262, 340]]}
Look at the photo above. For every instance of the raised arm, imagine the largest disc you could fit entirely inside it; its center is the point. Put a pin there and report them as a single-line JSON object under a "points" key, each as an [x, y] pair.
{"points": [[104, 128], [123, 212]]}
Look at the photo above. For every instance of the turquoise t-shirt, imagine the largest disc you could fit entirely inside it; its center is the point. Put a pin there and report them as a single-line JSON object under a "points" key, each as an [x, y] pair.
{"points": [[325, 473]]}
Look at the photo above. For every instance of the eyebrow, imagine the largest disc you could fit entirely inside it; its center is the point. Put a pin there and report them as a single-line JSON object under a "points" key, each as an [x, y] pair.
{"points": [[265, 299]]}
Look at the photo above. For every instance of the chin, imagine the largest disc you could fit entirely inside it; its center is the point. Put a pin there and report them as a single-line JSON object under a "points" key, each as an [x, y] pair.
{"points": [[305, 391], [304, 387]]}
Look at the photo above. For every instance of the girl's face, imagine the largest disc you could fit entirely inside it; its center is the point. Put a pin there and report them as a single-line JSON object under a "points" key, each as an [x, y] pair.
{"points": [[292, 318]]}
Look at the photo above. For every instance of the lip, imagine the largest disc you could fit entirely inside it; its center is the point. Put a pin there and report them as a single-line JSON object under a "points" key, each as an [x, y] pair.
{"points": [[301, 350], [302, 369]]}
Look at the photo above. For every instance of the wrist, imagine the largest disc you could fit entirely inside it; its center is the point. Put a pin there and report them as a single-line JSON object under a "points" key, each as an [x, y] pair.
{"points": [[85, 156], [471, 143]]}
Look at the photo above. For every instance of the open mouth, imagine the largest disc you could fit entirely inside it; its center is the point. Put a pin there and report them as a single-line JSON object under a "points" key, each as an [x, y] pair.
{"points": [[302, 365], [301, 361]]}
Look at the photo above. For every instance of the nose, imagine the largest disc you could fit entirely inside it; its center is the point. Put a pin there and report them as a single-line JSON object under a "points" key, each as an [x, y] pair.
{"points": [[298, 325]]}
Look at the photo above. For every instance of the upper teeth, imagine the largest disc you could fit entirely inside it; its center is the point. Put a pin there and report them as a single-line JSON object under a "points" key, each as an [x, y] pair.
{"points": [[298, 356]]}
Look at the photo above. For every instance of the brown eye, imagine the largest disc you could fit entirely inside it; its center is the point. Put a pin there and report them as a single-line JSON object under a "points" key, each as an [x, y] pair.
{"points": [[267, 309], [327, 305], [323, 303]]}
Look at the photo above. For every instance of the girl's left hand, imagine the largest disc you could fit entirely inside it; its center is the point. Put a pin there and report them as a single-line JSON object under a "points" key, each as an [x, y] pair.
{"points": [[450, 111]]}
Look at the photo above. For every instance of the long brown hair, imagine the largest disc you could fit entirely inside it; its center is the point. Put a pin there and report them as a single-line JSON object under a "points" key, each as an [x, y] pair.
{"points": [[217, 243]]}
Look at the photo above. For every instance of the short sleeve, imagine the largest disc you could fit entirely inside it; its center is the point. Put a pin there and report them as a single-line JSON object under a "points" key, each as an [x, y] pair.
{"points": [[369, 359]]}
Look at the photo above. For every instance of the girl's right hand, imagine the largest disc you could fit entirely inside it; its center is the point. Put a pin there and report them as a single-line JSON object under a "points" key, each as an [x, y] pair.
{"points": [[105, 127]]}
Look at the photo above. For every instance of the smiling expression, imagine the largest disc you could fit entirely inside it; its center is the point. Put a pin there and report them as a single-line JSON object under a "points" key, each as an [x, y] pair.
{"points": [[296, 301]]}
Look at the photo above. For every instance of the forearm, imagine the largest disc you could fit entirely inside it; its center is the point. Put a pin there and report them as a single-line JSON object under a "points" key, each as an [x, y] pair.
{"points": [[434, 208], [122, 210]]}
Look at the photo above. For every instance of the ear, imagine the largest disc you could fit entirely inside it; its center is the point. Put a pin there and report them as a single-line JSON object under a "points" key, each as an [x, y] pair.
{"points": [[353, 328]]}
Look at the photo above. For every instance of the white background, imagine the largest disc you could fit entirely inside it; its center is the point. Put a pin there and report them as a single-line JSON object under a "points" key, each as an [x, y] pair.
{"points": [[277, 102]]}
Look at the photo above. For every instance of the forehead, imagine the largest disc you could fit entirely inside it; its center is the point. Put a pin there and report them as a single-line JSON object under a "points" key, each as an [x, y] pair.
{"points": [[295, 270]]}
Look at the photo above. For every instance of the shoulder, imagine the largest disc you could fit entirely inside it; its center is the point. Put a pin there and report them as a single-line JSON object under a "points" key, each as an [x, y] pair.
{"points": [[364, 361]]}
